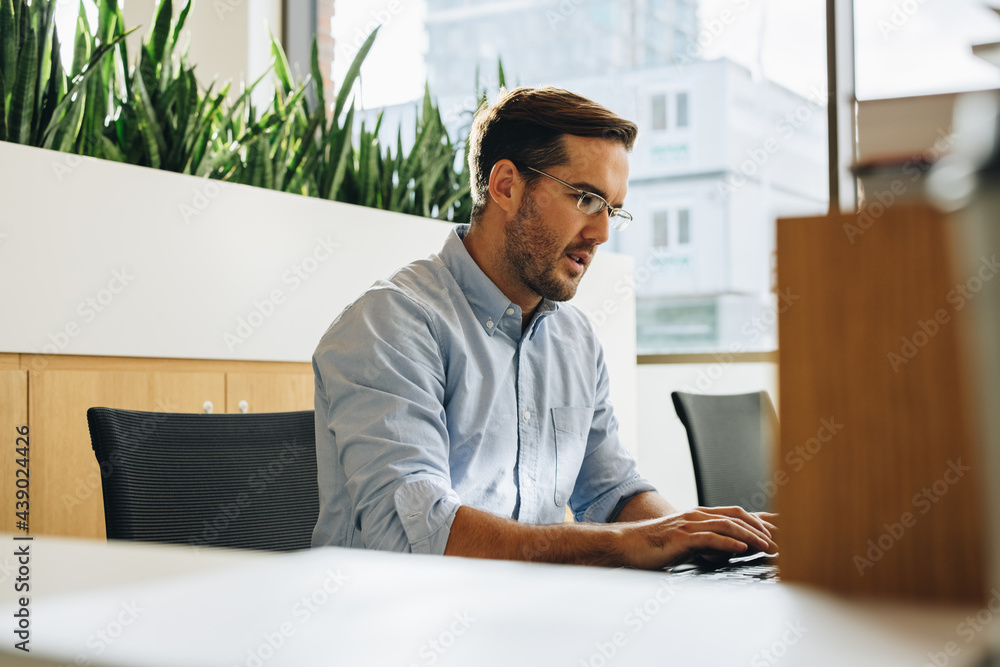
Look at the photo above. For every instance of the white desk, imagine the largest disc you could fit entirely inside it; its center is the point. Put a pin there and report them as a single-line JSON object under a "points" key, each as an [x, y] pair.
{"points": [[150, 605]]}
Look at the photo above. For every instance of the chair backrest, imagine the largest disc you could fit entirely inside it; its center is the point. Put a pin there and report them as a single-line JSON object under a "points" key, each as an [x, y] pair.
{"points": [[223, 480], [732, 439]]}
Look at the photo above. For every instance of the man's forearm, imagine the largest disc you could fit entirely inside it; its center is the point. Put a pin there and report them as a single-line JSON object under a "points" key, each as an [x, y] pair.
{"points": [[479, 534], [659, 539], [642, 506]]}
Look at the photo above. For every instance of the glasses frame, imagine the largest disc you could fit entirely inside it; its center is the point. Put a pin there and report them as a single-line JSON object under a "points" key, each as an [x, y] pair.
{"points": [[617, 217]]}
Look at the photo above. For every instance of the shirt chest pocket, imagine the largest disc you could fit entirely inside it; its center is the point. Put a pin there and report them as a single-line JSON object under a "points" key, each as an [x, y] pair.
{"points": [[571, 427]]}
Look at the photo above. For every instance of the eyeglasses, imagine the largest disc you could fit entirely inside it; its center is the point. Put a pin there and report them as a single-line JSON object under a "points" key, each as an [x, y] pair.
{"points": [[592, 204]]}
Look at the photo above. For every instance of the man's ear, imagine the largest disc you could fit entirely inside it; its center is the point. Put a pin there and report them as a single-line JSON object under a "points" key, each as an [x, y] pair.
{"points": [[506, 186]]}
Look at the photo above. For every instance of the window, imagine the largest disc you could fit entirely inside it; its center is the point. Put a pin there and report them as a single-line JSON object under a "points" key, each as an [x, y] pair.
{"points": [[661, 229], [659, 120], [682, 110], [756, 79], [683, 227], [922, 48], [673, 236]]}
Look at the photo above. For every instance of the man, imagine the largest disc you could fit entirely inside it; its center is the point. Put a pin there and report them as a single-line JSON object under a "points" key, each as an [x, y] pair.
{"points": [[460, 406]]}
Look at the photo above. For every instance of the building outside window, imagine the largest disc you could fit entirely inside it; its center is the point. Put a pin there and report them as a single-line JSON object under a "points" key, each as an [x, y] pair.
{"points": [[731, 106]]}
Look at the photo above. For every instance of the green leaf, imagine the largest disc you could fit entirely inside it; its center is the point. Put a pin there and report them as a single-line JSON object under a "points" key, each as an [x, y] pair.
{"points": [[180, 23], [352, 74], [3, 108], [317, 76], [445, 207], [200, 131], [105, 20], [157, 39], [151, 133], [23, 96], [428, 109], [52, 90], [24, 22], [8, 46], [280, 62], [81, 47], [119, 26], [108, 150], [307, 143], [342, 159], [71, 125], [225, 159]]}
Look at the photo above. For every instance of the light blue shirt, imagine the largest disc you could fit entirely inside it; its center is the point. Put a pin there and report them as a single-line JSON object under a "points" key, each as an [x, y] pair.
{"points": [[428, 397]]}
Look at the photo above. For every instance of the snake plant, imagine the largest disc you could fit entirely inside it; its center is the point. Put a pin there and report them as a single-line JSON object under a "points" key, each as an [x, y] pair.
{"points": [[154, 113]]}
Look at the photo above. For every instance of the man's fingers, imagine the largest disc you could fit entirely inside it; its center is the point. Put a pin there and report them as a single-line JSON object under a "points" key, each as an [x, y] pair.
{"points": [[758, 520], [710, 541], [751, 529], [739, 530]]}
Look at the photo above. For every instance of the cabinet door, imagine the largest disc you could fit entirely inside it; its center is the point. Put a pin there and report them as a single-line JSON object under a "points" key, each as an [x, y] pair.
{"points": [[66, 480], [13, 416], [269, 392]]}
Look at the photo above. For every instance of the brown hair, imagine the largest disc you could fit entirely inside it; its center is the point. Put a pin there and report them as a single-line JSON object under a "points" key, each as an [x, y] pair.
{"points": [[527, 125]]}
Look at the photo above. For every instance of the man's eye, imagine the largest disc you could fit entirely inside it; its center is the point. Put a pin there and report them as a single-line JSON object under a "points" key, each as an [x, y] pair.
{"points": [[590, 203]]}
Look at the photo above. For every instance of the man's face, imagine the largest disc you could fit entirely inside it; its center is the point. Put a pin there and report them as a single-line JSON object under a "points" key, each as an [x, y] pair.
{"points": [[549, 243]]}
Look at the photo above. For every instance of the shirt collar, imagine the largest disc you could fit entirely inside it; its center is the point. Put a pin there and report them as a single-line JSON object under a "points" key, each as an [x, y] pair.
{"points": [[488, 303]]}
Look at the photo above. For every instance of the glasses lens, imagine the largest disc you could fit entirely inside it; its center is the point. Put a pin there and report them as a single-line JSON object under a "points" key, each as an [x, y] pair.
{"points": [[620, 220], [589, 204]]}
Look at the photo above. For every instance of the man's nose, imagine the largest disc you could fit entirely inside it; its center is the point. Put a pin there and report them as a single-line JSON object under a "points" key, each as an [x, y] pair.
{"points": [[598, 227]]}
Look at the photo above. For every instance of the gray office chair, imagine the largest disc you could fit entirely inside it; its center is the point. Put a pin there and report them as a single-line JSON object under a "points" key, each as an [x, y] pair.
{"points": [[245, 481], [732, 439]]}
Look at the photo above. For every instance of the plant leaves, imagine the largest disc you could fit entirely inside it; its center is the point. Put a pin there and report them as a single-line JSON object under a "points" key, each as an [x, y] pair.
{"points": [[157, 39], [78, 86], [151, 133], [22, 103], [352, 74], [280, 63], [81, 46], [317, 76], [8, 47]]}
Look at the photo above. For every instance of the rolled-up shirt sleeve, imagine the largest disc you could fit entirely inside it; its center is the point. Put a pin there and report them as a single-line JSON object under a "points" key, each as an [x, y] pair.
{"points": [[608, 474], [380, 395]]}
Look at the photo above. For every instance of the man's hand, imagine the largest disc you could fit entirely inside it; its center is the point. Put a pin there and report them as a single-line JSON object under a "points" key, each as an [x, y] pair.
{"points": [[711, 533]]}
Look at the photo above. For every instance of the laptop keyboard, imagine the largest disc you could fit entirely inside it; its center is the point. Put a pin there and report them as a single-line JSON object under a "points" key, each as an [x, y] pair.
{"points": [[760, 569]]}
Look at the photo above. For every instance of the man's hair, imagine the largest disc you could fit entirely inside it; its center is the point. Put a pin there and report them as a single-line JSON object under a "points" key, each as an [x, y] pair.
{"points": [[527, 126]]}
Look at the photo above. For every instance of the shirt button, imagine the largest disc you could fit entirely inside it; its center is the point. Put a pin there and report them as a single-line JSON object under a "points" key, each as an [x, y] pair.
{"points": [[489, 324], [510, 311], [527, 415]]}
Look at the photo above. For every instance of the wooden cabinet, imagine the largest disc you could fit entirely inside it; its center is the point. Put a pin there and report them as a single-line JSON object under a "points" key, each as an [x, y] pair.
{"points": [[13, 416], [269, 392], [66, 495]]}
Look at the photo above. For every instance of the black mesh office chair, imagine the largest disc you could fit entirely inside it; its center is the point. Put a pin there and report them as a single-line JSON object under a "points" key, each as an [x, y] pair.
{"points": [[732, 439], [246, 481]]}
